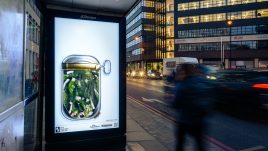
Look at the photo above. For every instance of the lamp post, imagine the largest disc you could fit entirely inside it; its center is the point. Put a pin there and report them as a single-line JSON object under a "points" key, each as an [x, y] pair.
{"points": [[230, 23]]}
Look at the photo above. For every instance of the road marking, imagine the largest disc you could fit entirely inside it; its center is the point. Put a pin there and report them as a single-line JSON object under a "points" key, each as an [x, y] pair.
{"points": [[218, 143], [140, 85], [209, 139], [155, 111], [133, 146], [253, 148], [153, 84], [153, 100]]}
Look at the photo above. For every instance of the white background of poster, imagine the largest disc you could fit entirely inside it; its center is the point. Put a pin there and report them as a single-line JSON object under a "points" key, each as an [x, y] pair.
{"points": [[98, 39]]}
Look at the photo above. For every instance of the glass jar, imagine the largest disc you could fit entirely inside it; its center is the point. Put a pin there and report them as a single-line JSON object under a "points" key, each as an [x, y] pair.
{"points": [[81, 91]]}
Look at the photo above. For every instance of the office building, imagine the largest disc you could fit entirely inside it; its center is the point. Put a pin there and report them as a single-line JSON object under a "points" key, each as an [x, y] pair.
{"points": [[200, 29], [217, 31], [141, 37]]}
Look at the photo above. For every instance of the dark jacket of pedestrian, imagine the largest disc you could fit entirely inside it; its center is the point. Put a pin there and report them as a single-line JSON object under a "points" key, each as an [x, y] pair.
{"points": [[193, 100]]}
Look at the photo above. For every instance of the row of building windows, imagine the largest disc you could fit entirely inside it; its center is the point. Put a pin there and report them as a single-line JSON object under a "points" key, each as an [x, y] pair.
{"points": [[134, 20], [136, 52], [215, 32], [148, 3], [33, 29], [170, 31], [170, 7], [134, 31], [213, 3], [134, 10], [140, 16], [235, 45], [144, 3], [170, 44], [134, 42], [33, 5], [223, 16], [148, 27], [170, 19]]}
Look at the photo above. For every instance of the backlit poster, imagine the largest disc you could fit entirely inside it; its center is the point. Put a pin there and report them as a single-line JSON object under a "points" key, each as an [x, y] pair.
{"points": [[86, 75]]}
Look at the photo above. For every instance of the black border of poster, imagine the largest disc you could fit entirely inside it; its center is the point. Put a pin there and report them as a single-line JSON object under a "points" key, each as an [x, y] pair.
{"points": [[97, 139]]}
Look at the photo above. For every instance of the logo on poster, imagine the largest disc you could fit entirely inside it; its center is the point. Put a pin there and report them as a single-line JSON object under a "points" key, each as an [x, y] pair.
{"points": [[94, 126], [107, 125]]}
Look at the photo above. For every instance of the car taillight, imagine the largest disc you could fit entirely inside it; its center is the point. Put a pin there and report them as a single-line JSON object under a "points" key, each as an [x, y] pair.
{"points": [[260, 86]]}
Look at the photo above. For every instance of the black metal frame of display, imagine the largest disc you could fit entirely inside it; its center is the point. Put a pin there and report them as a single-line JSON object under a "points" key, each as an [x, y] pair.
{"points": [[104, 139]]}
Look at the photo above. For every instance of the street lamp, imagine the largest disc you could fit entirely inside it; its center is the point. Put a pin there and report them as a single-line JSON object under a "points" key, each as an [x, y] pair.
{"points": [[230, 23]]}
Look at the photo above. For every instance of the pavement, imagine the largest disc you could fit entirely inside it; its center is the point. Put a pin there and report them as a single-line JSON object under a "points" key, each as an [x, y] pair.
{"points": [[138, 138], [147, 131]]}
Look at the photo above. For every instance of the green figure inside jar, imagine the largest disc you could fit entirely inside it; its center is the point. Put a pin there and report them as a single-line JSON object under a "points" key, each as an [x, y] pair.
{"points": [[81, 86]]}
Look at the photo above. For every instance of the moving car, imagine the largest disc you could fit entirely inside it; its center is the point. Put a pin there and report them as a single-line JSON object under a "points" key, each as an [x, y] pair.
{"points": [[153, 74], [136, 74], [242, 88]]}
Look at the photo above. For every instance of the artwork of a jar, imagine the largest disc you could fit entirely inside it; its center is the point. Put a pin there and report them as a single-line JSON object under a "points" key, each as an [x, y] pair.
{"points": [[81, 95]]}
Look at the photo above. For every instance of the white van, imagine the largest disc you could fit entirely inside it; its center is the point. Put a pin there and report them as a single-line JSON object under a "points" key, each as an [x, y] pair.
{"points": [[170, 64]]}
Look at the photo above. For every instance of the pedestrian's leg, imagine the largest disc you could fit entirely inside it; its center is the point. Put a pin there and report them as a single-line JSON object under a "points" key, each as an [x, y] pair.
{"points": [[181, 134], [198, 136]]}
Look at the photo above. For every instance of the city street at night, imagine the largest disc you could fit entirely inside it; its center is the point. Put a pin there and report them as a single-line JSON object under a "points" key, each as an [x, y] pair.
{"points": [[228, 129]]}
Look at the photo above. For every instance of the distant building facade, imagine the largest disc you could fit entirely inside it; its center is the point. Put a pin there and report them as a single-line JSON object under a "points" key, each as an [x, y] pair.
{"points": [[202, 31], [182, 28], [141, 51]]}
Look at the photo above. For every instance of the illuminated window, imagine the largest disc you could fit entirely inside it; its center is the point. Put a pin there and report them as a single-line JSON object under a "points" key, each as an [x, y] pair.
{"points": [[183, 20], [212, 3], [234, 2], [148, 27], [170, 7], [205, 4], [148, 3], [213, 17], [170, 54], [262, 12], [219, 17], [170, 44], [183, 6], [170, 31], [148, 15], [248, 14], [193, 5], [234, 15], [193, 19], [205, 18], [219, 3], [170, 19], [248, 1]]}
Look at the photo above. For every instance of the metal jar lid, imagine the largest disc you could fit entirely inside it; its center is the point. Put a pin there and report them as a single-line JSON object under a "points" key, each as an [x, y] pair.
{"points": [[84, 62]]}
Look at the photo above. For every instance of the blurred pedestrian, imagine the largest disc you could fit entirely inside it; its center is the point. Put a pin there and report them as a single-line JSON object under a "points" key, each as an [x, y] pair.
{"points": [[193, 103]]}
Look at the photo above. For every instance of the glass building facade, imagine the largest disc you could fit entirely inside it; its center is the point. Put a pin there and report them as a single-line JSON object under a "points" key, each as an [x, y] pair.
{"points": [[158, 29], [141, 48], [201, 31]]}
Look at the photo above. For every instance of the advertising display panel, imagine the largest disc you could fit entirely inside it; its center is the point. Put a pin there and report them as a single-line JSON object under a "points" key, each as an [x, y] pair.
{"points": [[85, 89], [87, 75]]}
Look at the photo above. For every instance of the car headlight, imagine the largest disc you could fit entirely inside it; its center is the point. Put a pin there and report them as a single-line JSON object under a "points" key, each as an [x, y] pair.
{"points": [[211, 77], [133, 73]]}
